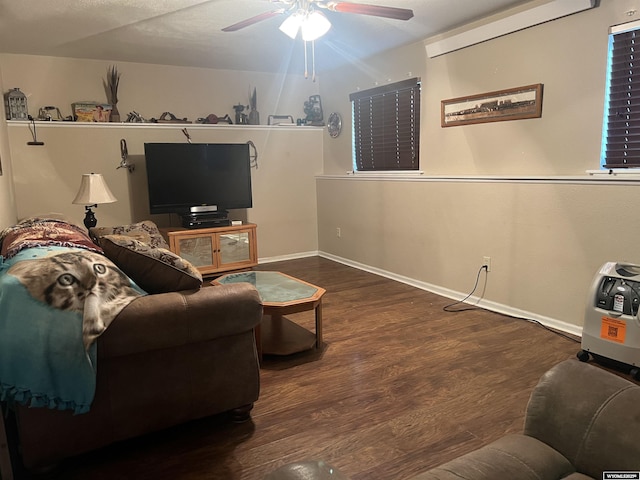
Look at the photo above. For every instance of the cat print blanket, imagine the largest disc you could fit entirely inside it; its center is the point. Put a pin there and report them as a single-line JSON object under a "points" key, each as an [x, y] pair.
{"points": [[58, 293]]}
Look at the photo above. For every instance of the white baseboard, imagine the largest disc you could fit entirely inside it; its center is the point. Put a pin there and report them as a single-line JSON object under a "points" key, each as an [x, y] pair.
{"points": [[292, 256], [476, 301]]}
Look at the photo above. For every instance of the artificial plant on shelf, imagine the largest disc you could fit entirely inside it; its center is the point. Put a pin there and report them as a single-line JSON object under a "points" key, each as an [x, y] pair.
{"points": [[111, 89], [254, 116]]}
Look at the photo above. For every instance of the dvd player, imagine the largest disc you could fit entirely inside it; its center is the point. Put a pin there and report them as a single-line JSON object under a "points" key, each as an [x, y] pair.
{"points": [[208, 220]]}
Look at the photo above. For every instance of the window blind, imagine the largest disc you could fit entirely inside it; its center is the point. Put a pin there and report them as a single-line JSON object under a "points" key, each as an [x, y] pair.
{"points": [[386, 127], [621, 136]]}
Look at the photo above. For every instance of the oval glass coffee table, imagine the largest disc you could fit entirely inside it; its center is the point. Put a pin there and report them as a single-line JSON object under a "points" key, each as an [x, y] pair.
{"points": [[281, 295]]}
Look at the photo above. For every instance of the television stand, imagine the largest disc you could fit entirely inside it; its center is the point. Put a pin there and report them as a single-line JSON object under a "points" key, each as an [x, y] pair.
{"points": [[205, 220], [215, 250]]}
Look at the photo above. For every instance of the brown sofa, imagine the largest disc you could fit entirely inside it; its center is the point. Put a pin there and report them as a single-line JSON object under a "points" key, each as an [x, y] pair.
{"points": [[179, 353], [165, 359], [581, 421]]}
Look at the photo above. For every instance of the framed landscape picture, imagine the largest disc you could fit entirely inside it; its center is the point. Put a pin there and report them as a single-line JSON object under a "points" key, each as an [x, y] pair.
{"points": [[510, 104]]}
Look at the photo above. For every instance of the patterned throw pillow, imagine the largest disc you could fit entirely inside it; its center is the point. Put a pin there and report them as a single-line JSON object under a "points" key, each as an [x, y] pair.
{"points": [[145, 232], [154, 269]]}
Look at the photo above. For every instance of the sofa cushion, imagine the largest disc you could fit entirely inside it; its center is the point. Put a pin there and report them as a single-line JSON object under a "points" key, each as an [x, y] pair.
{"points": [[145, 231], [512, 456], [590, 415], [154, 269]]}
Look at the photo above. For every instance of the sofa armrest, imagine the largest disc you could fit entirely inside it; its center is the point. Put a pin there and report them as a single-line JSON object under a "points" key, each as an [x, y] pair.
{"points": [[589, 415], [166, 320]]}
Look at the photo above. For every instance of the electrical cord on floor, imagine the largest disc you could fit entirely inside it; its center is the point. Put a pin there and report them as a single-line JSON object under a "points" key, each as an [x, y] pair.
{"points": [[446, 308], [540, 324]]}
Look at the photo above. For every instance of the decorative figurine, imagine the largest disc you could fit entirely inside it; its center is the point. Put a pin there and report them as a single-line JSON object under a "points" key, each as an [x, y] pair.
{"points": [[111, 90], [313, 109], [241, 118], [254, 116], [15, 104]]}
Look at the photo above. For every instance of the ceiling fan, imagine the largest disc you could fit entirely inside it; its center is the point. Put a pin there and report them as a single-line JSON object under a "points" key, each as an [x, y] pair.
{"points": [[303, 16], [306, 7]]}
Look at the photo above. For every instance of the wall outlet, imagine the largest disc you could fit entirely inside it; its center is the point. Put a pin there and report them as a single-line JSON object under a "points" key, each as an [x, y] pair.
{"points": [[486, 262], [338, 232]]}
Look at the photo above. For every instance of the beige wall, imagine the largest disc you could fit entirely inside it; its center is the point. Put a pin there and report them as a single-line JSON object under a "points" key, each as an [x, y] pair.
{"points": [[7, 202], [516, 191], [47, 178]]}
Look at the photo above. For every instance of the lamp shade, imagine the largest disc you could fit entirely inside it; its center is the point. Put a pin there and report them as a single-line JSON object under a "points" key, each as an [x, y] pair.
{"points": [[314, 26], [93, 190], [312, 23], [292, 23]]}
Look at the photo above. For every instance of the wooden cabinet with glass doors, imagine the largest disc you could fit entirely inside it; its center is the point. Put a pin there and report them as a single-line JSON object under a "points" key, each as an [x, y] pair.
{"points": [[215, 250]]}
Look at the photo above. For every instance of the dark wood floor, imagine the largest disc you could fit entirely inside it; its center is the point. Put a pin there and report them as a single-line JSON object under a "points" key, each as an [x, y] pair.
{"points": [[401, 386]]}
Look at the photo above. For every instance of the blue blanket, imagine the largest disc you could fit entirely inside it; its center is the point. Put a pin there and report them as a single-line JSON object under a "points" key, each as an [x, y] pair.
{"points": [[54, 303]]}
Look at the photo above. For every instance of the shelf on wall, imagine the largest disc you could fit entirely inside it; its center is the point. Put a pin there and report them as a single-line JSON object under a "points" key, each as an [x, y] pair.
{"points": [[60, 124]]}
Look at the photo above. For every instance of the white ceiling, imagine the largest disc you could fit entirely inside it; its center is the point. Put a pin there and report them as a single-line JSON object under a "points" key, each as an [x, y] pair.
{"points": [[188, 32]]}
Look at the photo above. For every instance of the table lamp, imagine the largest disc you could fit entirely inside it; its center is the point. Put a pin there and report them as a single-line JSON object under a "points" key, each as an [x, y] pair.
{"points": [[93, 191]]}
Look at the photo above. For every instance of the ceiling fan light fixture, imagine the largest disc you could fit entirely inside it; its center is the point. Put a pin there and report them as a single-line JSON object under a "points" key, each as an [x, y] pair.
{"points": [[314, 26], [292, 24]]}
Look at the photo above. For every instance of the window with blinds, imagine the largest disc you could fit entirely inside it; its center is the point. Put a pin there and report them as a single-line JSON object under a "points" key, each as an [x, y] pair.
{"points": [[621, 129], [386, 127]]}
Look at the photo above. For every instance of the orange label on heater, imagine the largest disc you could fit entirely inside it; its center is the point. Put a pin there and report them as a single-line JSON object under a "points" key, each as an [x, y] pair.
{"points": [[612, 329]]}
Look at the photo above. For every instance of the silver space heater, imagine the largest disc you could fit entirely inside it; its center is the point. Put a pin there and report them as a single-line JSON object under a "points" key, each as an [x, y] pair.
{"points": [[611, 331]]}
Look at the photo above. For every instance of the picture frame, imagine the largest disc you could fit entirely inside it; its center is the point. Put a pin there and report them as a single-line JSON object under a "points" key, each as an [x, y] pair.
{"points": [[510, 104], [91, 111]]}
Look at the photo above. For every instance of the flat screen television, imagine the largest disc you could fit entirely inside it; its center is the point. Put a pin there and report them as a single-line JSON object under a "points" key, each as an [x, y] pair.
{"points": [[198, 178]]}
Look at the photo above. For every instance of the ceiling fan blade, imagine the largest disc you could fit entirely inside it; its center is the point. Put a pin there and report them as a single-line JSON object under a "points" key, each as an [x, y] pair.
{"points": [[364, 9], [253, 20]]}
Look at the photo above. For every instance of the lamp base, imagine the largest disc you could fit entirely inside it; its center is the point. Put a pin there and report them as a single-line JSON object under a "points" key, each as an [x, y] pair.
{"points": [[90, 219]]}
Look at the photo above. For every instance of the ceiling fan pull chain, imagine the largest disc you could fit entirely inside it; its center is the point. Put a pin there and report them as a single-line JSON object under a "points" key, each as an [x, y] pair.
{"points": [[313, 60], [306, 69]]}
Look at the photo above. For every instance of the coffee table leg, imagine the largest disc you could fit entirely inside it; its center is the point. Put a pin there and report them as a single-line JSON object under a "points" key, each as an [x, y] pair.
{"points": [[319, 325]]}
